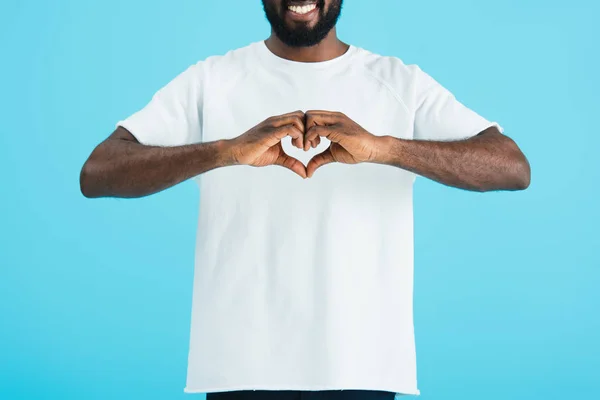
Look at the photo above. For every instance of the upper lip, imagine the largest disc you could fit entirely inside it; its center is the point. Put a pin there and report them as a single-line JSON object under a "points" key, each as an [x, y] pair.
{"points": [[301, 3]]}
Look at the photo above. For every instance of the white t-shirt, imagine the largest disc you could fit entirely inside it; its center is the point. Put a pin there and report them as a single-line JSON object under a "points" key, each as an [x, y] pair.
{"points": [[303, 284]]}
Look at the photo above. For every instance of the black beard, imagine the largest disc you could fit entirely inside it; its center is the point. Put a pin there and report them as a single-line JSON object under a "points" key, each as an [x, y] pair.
{"points": [[303, 36]]}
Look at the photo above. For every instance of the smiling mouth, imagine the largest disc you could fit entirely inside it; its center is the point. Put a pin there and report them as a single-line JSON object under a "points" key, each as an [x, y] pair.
{"points": [[302, 8]]}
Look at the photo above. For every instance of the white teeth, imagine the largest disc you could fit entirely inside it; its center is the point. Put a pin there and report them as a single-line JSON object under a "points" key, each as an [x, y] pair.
{"points": [[302, 9]]}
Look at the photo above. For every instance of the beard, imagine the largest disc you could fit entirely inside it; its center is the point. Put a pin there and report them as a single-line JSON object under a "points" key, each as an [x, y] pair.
{"points": [[303, 36]]}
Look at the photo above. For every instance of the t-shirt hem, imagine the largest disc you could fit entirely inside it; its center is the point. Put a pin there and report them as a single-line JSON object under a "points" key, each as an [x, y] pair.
{"points": [[399, 391]]}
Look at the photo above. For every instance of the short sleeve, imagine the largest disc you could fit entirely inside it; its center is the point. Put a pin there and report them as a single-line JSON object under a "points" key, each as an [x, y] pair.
{"points": [[173, 117], [440, 116]]}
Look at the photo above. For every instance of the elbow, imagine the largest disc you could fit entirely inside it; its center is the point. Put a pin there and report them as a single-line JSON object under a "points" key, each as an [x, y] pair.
{"points": [[520, 176], [88, 178], [85, 182], [523, 175], [512, 170], [517, 169]]}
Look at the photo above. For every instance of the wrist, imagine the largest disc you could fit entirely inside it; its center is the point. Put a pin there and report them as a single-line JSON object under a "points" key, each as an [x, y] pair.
{"points": [[225, 152], [386, 147]]}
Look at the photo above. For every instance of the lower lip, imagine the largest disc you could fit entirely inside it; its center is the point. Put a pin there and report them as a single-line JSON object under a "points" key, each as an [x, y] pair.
{"points": [[302, 17]]}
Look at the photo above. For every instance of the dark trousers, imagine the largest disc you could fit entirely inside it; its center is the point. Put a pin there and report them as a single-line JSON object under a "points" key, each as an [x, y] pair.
{"points": [[301, 395]]}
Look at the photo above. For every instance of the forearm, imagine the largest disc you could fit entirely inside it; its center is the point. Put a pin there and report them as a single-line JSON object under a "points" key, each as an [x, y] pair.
{"points": [[128, 169], [490, 161]]}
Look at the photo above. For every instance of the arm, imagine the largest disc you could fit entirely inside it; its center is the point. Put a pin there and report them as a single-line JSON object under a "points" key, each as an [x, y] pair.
{"points": [[122, 167], [486, 162], [157, 147], [441, 151]]}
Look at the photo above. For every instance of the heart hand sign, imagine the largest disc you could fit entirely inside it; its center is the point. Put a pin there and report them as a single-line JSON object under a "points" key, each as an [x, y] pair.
{"points": [[261, 145]]}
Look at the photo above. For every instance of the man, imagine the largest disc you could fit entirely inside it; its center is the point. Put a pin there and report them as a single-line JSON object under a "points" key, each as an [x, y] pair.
{"points": [[303, 283]]}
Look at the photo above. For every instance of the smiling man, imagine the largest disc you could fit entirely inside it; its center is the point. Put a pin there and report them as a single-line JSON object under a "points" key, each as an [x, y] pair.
{"points": [[305, 150]]}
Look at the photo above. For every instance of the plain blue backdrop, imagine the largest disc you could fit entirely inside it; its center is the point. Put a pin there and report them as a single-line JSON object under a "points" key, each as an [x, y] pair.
{"points": [[95, 295]]}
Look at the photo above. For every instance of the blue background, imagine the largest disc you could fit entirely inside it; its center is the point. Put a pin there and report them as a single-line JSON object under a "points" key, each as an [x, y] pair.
{"points": [[95, 295]]}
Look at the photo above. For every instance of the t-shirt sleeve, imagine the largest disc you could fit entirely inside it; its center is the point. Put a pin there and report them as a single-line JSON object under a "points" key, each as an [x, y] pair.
{"points": [[173, 117], [440, 116]]}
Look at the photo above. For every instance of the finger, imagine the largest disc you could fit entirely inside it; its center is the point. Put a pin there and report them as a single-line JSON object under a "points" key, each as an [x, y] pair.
{"points": [[316, 118], [315, 142], [311, 143], [291, 163], [321, 117], [283, 131], [296, 118], [315, 132], [298, 142], [318, 161]]}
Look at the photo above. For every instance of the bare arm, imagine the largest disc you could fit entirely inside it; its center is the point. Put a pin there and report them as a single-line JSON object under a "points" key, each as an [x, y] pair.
{"points": [[120, 166], [486, 162]]}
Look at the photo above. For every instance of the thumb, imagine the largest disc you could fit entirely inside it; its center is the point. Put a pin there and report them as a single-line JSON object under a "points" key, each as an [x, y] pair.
{"points": [[291, 163], [318, 161]]}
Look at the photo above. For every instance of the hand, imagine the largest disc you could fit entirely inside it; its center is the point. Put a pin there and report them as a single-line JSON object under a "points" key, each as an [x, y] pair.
{"points": [[350, 143], [261, 145]]}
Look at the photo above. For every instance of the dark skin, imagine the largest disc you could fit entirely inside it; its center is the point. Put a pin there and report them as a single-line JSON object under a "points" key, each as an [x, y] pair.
{"points": [[122, 167], [488, 161]]}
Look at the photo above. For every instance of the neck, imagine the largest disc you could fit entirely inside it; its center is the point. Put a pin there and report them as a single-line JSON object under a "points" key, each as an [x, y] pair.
{"points": [[328, 49]]}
